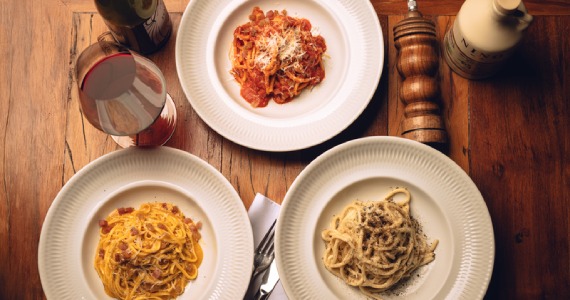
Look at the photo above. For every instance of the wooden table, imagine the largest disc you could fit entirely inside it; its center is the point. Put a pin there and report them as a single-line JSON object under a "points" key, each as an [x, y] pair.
{"points": [[510, 133]]}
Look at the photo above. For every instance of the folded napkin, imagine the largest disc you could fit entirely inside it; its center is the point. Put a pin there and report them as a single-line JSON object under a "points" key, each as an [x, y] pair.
{"points": [[262, 212]]}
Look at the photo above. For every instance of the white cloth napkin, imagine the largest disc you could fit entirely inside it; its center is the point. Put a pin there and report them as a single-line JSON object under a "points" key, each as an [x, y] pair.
{"points": [[262, 212]]}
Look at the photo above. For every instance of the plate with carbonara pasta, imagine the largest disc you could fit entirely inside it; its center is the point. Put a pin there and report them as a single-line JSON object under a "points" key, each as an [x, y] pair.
{"points": [[279, 75], [384, 218], [146, 224]]}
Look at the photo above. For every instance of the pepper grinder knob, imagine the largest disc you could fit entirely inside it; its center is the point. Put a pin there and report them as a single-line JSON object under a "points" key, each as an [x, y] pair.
{"points": [[418, 63]]}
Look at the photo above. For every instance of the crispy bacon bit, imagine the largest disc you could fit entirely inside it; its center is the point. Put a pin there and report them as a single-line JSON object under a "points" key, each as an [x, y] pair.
{"points": [[147, 286], [127, 254], [165, 205], [102, 253], [118, 257], [187, 220], [175, 291], [123, 246], [195, 234], [175, 209], [134, 231], [162, 226], [189, 268], [156, 273], [133, 273], [125, 210], [150, 227], [107, 229], [103, 223]]}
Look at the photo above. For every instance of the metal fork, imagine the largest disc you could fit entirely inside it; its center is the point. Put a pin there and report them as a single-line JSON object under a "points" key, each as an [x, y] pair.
{"points": [[264, 253], [263, 257]]}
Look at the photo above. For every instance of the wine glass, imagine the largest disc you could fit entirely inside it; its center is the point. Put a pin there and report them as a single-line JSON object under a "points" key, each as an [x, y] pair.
{"points": [[124, 94]]}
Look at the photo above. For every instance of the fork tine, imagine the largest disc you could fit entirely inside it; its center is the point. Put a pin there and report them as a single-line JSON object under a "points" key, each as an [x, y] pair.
{"points": [[268, 249], [267, 239], [271, 249]]}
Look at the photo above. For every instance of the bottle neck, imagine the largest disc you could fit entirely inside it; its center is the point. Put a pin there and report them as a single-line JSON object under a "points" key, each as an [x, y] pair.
{"points": [[506, 7], [511, 13]]}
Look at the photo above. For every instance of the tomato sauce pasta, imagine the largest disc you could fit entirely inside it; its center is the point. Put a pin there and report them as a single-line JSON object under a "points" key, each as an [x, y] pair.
{"points": [[275, 56]]}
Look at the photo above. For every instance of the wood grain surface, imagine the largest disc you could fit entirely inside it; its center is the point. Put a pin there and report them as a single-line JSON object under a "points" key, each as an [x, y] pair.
{"points": [[510, 133]]}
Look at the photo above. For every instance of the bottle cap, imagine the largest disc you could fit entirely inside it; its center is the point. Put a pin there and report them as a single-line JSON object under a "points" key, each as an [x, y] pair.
{"points": [[507, 7]]}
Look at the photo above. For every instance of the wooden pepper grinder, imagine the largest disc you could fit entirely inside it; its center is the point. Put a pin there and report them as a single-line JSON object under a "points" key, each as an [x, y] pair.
{"points": [[418, 64]]}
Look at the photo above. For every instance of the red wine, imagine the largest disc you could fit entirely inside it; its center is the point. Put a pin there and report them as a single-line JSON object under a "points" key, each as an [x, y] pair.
{"points": [[141, 25], [122, 94]]}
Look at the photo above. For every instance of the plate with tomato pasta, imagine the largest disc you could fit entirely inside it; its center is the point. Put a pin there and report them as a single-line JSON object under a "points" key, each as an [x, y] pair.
{"points": [[279, 75]]}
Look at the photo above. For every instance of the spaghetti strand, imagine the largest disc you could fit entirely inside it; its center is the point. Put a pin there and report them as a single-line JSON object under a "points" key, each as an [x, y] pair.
{"points": [[374, 245], [275, 56], [149, 253]]}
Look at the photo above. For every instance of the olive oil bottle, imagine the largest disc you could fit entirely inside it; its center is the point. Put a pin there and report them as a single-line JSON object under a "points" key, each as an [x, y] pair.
{"points": [[484, 35]]}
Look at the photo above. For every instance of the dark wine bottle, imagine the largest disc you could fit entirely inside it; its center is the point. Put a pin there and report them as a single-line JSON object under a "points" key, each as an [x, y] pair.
{"points": [[142, 25]]}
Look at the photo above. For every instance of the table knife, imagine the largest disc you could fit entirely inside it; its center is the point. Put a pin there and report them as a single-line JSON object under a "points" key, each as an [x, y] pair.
{"points": [[268, 286]]}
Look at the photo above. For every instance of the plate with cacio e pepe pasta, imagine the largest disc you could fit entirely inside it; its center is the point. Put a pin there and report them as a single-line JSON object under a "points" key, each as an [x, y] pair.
{"points": [[384, 218]]}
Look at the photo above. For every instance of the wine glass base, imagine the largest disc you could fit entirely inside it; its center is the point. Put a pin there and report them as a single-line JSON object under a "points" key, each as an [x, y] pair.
{"points": [[156, 134]]}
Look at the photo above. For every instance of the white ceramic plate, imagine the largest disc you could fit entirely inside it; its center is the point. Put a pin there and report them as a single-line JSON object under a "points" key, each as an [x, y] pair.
{"points": [[444, 200], [128, 178], [353, 64]]}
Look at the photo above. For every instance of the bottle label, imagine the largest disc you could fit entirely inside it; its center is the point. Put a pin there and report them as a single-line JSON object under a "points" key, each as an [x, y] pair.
{"points": [[467, 60], [158, 26]]}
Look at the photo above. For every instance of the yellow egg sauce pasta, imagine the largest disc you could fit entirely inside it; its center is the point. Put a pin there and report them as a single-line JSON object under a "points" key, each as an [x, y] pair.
{"points": [[148, 253], [374, 245]]}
